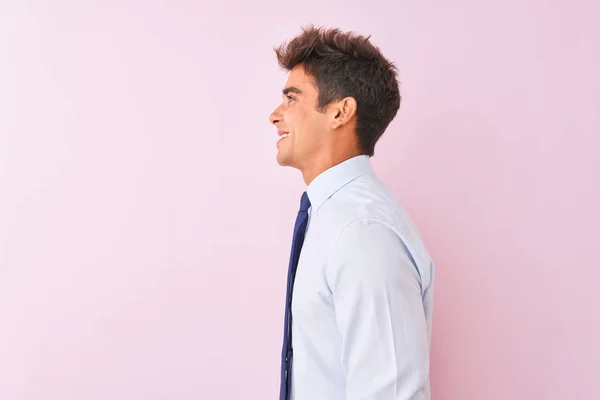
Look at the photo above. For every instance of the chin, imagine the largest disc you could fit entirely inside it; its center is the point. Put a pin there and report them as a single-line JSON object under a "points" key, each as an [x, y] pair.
{"points": [[285, 161], [282, 159], [282, 162]]}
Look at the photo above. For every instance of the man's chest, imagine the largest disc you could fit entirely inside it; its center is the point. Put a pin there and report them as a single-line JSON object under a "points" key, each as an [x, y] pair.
{"points": [[312, 299]]}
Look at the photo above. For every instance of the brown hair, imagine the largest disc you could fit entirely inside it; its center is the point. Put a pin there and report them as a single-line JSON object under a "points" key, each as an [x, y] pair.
{"points": [[344, 64]]}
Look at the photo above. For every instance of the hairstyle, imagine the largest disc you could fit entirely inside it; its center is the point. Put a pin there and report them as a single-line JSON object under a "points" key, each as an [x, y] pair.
{"points": [[344, 64]]}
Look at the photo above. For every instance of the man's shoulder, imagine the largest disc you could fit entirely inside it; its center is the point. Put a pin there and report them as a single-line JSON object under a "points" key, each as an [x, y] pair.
{"points": [[367, 203], [364, 197]]}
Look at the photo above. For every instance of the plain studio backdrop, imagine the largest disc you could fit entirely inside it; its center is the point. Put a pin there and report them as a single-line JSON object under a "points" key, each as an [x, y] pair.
{"points": [[145, 225]]}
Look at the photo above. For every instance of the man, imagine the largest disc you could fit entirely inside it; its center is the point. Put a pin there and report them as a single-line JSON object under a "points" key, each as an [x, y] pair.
{"points": [[358, 325]]}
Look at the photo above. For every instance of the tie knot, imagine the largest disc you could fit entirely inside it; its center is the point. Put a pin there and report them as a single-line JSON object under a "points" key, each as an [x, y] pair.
{"points": [[304, 202]]}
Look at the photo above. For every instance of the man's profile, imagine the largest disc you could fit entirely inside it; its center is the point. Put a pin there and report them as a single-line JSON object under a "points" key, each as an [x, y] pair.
{"points": [[360, 281]]}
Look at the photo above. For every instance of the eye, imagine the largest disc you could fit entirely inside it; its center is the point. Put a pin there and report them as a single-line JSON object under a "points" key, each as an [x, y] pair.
{"points": [[290, 98]]}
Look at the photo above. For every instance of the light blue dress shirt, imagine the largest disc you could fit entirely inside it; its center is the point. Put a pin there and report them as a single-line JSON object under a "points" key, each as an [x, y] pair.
{"points": [[362, 299]]}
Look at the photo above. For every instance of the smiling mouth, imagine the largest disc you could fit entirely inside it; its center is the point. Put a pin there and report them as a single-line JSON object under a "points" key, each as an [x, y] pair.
{"points": [[282, 135]]}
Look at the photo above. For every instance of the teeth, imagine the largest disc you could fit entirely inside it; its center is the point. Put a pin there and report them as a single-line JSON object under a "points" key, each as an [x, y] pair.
{"points": [[284, 135]]}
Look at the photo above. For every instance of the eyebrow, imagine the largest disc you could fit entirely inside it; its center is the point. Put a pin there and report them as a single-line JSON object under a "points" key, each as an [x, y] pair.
{"points": [[291, 89]]}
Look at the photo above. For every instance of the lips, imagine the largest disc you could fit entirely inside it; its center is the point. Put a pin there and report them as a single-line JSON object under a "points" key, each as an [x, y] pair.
{"points": [[282, 135]]}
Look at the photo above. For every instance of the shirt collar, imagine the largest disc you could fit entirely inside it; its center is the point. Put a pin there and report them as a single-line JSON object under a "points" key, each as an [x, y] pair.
{"points": [[336, 177]]}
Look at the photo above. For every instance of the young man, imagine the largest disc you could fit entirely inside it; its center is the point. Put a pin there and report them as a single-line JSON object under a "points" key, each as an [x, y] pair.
{"points": [[358, 326]]}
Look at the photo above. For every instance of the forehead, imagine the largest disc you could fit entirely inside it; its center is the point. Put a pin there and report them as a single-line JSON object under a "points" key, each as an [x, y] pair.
{"points": [[299, 79]]}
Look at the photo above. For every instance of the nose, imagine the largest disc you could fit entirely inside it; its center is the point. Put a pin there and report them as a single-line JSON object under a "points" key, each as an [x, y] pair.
{"points": [[276, 116]]}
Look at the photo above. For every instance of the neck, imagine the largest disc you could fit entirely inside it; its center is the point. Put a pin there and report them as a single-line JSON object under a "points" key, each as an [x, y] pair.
{"points": [[323, 163]]}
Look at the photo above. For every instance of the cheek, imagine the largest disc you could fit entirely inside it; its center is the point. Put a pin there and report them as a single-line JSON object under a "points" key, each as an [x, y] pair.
{"points": [[303, 118], [297, 117], [306, 126], [316, 126], [296, 123]]}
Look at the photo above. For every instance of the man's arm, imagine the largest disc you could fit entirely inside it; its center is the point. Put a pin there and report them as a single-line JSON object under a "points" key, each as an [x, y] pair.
{"points": [[379, 310]]}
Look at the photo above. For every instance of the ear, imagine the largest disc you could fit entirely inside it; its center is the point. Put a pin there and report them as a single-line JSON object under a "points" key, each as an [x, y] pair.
{"points": [[343, 111]]}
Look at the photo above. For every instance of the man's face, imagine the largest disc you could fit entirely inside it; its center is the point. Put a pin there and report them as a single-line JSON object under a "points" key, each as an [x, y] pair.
{"points": [[302, 129]]}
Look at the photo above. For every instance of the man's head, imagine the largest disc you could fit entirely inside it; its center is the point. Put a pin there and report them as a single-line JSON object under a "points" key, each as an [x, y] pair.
{"points": [[340, 96]]}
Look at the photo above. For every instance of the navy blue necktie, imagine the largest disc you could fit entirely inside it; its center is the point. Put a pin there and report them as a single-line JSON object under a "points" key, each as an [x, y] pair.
{"points": [[286, 352]]}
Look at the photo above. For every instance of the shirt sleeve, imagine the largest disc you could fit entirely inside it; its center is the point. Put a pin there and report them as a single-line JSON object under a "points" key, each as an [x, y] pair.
{"points": [[380, 316]]}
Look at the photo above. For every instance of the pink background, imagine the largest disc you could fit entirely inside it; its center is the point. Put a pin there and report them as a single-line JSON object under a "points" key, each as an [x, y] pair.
{"points": [[145, 225]]}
